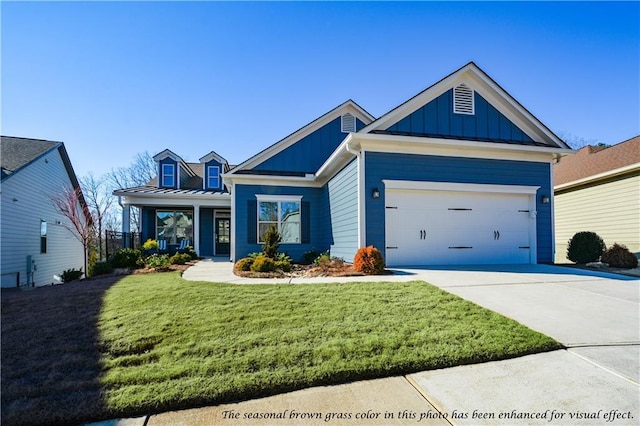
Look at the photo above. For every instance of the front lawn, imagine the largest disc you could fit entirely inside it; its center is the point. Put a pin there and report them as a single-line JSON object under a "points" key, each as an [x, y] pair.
{"points": [[159, 343]]}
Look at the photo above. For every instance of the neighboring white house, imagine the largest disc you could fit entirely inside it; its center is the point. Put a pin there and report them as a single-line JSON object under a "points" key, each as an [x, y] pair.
{"points": [[598, 190], [35, 245]]}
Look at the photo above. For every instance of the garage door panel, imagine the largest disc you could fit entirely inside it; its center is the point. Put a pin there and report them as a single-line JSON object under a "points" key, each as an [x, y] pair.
{"points": [[456, 227]]}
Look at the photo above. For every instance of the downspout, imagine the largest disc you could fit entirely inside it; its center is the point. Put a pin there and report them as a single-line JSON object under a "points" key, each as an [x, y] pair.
{"points": [[361, 190]]}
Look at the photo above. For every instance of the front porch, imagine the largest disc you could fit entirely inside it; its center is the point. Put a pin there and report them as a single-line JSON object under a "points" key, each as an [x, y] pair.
{"points": [[203, 218]]}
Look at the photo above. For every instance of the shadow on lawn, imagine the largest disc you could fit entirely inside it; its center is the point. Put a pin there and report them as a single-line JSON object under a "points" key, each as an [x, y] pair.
{"points": [[50, 355]]}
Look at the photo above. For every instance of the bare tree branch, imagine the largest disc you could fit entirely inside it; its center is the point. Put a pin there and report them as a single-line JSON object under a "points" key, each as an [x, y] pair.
{"points": [[141, 170], [68, 202], [99, 200]]}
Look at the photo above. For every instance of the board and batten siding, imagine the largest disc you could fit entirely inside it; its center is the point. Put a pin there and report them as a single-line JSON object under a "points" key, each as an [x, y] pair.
{"points": [[26, 200], [610, 209], [313, 218], [343, 212], [310, 152], [426, 168], [437, 119]]}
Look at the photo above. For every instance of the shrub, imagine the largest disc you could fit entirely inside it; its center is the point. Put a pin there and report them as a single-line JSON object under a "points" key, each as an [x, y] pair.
{"points": [[369, 261], [150, 245], [100, 268], [71, 275], [322, 258], [309, 256], [585, 247], [271, 240], [283, 265], [126, 258], [244, 264], [180, 258], [254, 255], [263, 264], [619, 256], [93, 258], [190, 251], [158, 261]]}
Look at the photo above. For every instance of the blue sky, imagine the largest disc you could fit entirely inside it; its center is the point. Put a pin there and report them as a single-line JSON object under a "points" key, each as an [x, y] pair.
{"points": [[114, 79]]}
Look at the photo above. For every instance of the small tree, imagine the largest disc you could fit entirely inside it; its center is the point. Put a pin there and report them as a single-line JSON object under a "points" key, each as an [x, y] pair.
{"points": [[271, 240], [70, 202]]}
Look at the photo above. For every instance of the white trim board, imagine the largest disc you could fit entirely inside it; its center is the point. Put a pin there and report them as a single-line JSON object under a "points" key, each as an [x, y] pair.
{"points": [[461, 187], [599, 176]]}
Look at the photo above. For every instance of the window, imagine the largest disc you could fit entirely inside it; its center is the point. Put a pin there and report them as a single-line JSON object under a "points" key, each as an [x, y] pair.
{"points": [[168, 175], [43, 236], [281, 212], [463, 100], [174, 225], [213, 177]]}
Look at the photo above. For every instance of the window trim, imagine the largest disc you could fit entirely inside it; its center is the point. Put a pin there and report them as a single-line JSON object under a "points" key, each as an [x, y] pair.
{"points": [[175, 211], [279, 199], [210, 175], [165, 174], [43, 236]]}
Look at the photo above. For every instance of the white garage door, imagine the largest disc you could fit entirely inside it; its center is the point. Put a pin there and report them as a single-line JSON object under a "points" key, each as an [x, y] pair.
{"points": [[435, 227]]}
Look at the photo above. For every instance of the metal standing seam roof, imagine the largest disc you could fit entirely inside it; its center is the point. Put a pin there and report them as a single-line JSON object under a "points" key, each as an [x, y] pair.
{"points": [[154, 190]]}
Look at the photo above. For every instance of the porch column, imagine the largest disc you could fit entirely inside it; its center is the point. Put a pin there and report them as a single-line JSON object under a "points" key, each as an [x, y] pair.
{"points": [[196, 228], [126, 225], [126, 217]]}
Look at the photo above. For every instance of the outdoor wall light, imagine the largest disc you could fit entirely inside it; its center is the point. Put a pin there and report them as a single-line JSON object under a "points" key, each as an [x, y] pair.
{"points": [[375, 193], [545, 199]]}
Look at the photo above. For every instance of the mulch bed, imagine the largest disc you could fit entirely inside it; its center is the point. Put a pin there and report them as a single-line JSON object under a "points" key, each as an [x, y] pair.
{"points": [[304, 271]]}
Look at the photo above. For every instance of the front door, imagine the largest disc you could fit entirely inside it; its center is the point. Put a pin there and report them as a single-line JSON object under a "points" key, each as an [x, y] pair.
{"points": [[223, 237]]}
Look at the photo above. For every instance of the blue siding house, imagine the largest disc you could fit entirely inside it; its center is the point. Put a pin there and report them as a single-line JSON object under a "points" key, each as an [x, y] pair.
{"points": [[459, 174]]}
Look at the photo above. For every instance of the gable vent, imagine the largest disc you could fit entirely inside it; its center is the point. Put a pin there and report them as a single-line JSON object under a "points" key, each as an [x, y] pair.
{"points": [[463, 100], [348, 123]]}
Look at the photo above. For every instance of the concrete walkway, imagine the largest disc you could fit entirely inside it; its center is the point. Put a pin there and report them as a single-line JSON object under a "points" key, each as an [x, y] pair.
{"points": [[594, 381]]}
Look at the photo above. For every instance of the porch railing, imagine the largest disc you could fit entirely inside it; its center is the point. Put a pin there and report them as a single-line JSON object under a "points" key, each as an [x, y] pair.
{"points": [[116, 240]]}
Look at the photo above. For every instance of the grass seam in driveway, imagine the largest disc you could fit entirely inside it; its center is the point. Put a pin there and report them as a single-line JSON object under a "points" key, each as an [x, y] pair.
{"points": [[163, 343]]}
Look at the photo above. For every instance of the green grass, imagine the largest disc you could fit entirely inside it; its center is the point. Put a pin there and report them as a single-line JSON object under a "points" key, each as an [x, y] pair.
{"points": [[174, 343], [163, 343]]}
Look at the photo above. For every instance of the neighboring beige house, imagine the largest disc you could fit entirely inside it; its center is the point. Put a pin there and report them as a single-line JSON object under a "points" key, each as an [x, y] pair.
{"points": [[598, 190]]}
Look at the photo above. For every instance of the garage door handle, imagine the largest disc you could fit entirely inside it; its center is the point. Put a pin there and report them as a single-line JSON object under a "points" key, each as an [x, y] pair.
{"points": [[392, 248], [460, 247]]}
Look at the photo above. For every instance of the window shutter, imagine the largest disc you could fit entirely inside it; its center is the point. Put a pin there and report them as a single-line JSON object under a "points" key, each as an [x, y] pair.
{"points": [[305, 226], [252, 222]]}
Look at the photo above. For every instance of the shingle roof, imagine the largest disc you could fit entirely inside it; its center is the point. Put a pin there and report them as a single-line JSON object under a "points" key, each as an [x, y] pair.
{"points": [[594, 160], [16, 153]]}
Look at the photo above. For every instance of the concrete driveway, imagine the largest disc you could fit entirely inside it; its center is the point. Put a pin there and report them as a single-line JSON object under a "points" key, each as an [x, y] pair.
{"points": [[595, 315], [594, 381]]}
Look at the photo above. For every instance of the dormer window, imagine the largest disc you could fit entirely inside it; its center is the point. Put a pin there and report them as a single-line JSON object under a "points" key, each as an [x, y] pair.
{"points": [[168, 176], [213, 177]]}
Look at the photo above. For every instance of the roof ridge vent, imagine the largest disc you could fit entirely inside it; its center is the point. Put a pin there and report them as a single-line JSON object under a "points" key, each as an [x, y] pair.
{"points": [[348, 123], [463, 100]]}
